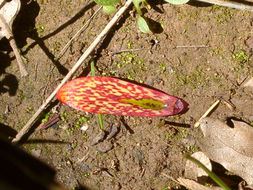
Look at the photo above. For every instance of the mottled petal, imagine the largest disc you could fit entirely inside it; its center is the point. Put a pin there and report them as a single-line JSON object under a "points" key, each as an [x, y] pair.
{"points": [[106, 95]]}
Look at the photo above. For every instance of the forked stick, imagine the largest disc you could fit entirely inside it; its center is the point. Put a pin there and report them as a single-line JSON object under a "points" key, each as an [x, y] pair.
{"points": [[99, 38]]}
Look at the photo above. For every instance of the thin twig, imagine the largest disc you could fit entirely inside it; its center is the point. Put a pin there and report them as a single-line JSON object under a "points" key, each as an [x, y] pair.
{"points": [[229, 4], [78, 32], [49, 123], [99, 38], [84, 158], [9, 36], [193, 46], [207, 112], [231, 106], [36, 70]]}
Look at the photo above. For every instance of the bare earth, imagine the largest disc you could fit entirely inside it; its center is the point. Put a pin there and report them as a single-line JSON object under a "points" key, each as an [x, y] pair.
{"points": [[200, 53]]}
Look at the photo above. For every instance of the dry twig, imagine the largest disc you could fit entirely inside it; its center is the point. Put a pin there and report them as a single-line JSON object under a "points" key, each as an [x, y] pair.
{"points": [[193, 46], [78, 32], [207, 112], [229, 4]]}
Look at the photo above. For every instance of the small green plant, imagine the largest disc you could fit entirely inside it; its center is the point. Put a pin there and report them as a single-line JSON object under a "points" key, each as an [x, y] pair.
{"points": [[45, 117], [86, 175], [109, 7], [241, 56], [100, 117], [168, 135], [80, 121]]}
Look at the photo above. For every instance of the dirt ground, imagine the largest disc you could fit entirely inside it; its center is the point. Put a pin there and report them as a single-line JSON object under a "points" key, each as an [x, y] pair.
{"points": [[200, 53]]}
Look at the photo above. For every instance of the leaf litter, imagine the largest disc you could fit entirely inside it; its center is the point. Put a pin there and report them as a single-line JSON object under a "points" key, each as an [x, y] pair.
{"points": [[231, 147]]}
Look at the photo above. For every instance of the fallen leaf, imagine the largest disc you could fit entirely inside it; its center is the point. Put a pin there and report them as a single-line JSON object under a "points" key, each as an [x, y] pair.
{"points": [[191, 184], [192, 171], [106, 95], [231, 147], [9, 11]]}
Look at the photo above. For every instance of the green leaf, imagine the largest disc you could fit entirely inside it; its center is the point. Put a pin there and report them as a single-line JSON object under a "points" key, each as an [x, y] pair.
{"points": [[143, 25], [177, 2], [109, 9], [106, 2]]}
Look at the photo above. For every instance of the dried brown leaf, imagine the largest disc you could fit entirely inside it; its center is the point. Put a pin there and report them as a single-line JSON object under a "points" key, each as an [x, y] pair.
{"points": [[231, 147], [9, 11]]}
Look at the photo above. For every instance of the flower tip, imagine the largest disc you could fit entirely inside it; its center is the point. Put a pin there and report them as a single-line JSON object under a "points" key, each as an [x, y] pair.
{"points": [[180, 106]]}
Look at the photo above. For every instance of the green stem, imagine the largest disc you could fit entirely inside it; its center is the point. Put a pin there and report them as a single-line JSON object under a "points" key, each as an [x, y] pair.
{"points": [[137, 6], [211, 174], [93, 73], [92, 68], [146, 4], [101, 123]]}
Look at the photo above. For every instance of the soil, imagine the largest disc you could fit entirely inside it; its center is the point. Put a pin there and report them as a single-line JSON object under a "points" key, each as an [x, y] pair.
{"points": [[199, 52]]}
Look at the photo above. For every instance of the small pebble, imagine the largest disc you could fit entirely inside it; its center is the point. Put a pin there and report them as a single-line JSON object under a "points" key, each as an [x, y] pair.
{"points": [[36, 153], [140, 157], [84, 127], [170, 70], [65, 126], [85, 167], [117, 186], [69, 147], [55, 126], [150, 82]]}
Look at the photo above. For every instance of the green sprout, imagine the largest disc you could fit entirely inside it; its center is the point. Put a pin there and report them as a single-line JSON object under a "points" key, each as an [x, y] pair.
{"points": [[45, 117], [100, 118], [109, 7]]}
